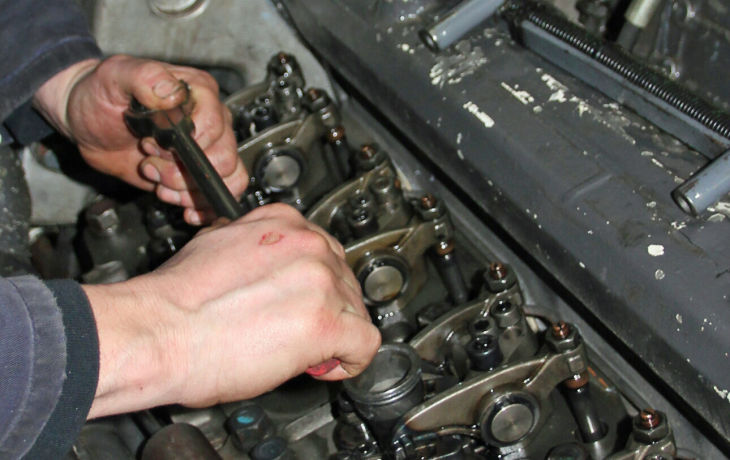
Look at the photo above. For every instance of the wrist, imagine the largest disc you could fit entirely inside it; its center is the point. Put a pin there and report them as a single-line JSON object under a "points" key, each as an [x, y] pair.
{"points": [[139, 338], [52, 98]]}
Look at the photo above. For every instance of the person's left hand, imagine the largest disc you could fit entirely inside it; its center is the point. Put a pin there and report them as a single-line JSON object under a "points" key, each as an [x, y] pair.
{"points": [[86, 102]]}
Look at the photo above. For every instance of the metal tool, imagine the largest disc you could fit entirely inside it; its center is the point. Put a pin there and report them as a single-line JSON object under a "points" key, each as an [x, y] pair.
{"points": [[172, 129], [458, 22]]}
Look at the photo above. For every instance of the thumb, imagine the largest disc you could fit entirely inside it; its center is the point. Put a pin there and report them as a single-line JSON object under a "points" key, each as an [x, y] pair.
{"points": [[150, 82]]}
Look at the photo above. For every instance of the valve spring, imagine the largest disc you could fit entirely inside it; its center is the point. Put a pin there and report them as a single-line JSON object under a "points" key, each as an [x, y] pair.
{"points": [[615, 59]]}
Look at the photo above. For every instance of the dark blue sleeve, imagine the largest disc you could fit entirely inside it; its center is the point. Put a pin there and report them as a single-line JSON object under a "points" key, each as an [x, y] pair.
{"points": [[49, 365], [40, 38]]}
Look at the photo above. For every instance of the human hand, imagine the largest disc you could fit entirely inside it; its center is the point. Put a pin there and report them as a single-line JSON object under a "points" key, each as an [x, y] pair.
{"points": [[240, 309], [86, 103]]}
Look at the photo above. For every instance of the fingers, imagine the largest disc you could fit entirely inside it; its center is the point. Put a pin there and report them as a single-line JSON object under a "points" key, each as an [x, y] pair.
{"points": [[354, 343], [150, 82], [159, 86]]}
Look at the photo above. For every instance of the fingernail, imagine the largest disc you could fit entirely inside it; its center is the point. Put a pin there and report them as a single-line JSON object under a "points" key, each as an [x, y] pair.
{"points": [[323, 368], [151, 173], [151, 149], [194, 218], [166, 88]]}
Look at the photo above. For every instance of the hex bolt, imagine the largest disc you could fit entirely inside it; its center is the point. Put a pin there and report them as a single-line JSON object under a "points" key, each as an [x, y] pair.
{"points": [[561, 330], [102, 217], [651, 426], [497, 270], [248, 426], [314, 94], [444, 247], [367, 152], [649, 418], [335, 134], [428, 201]]}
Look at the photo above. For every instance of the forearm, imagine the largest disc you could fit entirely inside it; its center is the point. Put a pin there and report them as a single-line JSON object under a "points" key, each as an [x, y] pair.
{"points": [[138, 335]]}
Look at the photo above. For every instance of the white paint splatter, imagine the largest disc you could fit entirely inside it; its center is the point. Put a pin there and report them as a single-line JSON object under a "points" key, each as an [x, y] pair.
{"points": [[582, 265], [724, 394], [521, 95], [716, 218], [590, 232], [558, 96], [679, 225], [678, 317], [458, 138], [646, 153], [659, 274], [473, 109], [651, 204], [552, 82], [537, 109], [460, 154], [581, 105], [655, 250]]}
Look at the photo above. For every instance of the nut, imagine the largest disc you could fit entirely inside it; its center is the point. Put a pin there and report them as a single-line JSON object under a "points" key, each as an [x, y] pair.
{"points": [[335, 134], [649, 418], [560, 330], [499, 277], [367, 152], [428, 201], [248, 426], [102, 217], [644, 432], [497, 270], [570, 342]]}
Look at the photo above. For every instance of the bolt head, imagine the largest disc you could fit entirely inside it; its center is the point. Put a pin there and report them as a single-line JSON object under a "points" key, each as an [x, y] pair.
{"points": [[569, 342], [560, 330], [248, 426], [650, 426], [367, 152], [102, 216], [428, 201], [497, 270]]}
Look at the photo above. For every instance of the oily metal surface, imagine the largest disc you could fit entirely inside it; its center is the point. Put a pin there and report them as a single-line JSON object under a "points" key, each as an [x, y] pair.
{"points": [[383, 283], [510, 423], [281, 172], [582, 184]]}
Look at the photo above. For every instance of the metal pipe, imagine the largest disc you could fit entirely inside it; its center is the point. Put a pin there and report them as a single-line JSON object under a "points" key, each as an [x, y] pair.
{"points": [[458, 22], [448, 268], [577, 391], [638, 15], [706, 187]]}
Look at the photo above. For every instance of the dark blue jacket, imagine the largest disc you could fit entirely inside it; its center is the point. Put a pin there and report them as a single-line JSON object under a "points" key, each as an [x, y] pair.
{"points": [[49, 353]]}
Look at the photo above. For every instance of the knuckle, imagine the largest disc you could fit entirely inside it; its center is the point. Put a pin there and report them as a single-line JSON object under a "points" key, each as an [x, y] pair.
{"points": [[210, 82], [314, 243], [150, 69], [283, 210], [319, 276]]}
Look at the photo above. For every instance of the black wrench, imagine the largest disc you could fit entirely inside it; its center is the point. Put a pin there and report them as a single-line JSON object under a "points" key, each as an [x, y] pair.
{"points": [[172, 129]]}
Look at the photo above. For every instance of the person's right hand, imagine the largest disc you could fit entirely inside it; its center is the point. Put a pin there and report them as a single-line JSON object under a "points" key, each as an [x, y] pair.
{"points": [[240, 309]]}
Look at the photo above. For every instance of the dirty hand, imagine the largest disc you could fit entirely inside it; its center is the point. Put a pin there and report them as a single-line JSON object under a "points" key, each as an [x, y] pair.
{"points": [[239, 310], [86, 102]]}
